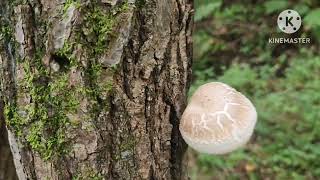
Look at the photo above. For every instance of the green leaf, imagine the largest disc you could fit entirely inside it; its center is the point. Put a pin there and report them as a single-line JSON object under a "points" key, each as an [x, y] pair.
{"points": [[312, 18], [275, 5], [205, 10]]}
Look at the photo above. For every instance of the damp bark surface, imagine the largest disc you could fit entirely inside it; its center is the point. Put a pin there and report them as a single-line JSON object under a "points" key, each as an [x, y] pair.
{"points": [[7, 169], [95, 89]]}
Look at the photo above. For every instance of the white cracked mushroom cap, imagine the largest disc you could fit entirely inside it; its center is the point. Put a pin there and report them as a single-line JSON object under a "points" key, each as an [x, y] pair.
{"points": [[218, 119]]}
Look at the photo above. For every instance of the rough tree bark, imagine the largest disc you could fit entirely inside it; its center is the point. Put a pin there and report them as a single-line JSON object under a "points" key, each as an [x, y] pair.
{"points": [[94, 89], [7, 170]]}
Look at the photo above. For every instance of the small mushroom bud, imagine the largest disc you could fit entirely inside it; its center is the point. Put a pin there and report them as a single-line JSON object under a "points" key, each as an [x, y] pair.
{"points": [[218, 119]]}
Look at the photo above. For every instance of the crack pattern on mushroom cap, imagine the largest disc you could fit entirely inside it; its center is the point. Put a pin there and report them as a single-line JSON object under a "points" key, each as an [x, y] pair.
{"points": [[217, 113]]}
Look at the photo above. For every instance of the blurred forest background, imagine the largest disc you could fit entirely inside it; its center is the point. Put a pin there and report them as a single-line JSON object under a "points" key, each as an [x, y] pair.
{"points": [[283, 81]]}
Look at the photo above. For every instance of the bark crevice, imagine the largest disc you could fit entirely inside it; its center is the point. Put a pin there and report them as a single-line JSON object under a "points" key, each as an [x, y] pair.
{"points": [[112, 121]]}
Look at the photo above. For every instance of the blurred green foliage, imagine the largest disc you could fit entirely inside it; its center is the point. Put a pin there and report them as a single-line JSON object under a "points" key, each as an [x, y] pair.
{"points": [[282, 80]]}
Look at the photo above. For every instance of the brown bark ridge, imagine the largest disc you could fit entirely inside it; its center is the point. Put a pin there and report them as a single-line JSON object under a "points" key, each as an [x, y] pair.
{"points": [[94, 89], [7, 169]]}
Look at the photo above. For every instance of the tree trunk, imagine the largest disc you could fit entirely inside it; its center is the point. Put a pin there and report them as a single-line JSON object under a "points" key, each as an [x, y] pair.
{"points": [[7, 169], [94, 89]]}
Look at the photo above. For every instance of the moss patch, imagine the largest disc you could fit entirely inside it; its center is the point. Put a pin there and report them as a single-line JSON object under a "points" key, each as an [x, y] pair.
{"points": [[69, 3], [140, 3], [88, 175], [44, 119], [99, 23], [6, 33]]}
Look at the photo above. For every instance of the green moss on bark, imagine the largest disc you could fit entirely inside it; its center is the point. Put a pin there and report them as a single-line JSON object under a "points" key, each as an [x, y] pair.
{"points": [[140, 3], [6, 32], [69, 3], [88, 174], [43, 121], [98, 26]]}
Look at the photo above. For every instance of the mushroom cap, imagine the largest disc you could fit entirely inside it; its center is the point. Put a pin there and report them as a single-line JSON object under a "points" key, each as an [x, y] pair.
{"points": [[218, 119]]}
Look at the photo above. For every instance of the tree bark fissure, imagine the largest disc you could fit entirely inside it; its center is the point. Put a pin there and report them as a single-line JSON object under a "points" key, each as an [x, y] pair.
{"points": [[7, 168], [107, 86]]}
